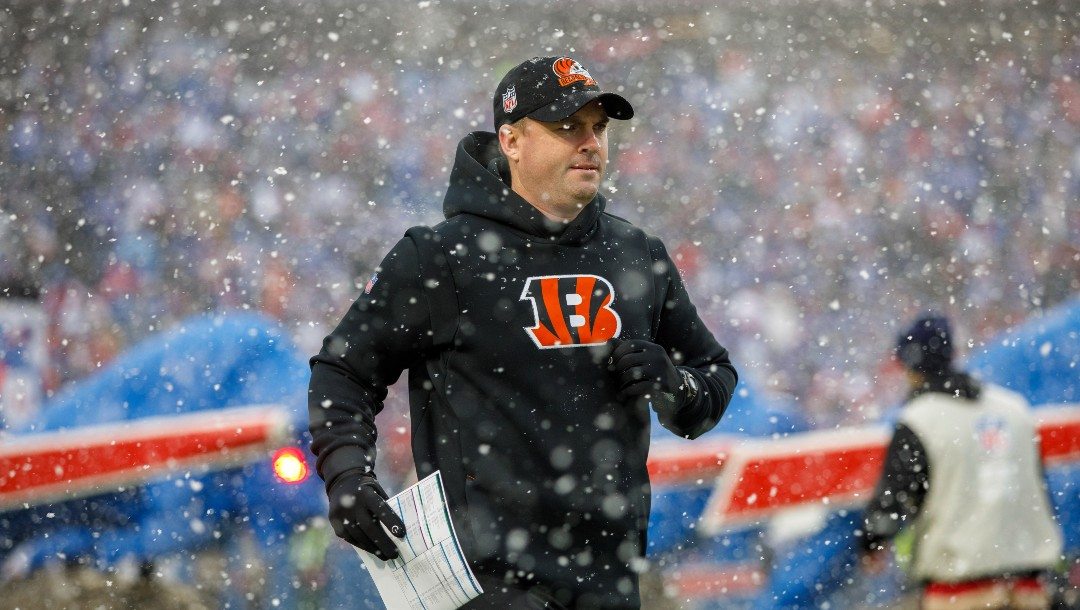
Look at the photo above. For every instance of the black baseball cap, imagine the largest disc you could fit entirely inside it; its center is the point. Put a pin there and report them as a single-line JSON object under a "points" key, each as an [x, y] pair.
{"points": [[551, 89], [927, 345]]}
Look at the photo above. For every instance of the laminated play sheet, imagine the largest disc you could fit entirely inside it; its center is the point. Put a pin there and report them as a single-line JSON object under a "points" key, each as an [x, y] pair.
{"points": [[430, 573]]}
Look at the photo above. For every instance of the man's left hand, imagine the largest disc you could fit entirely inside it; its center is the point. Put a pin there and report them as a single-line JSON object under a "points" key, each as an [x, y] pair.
{"points": [[645, 371]]}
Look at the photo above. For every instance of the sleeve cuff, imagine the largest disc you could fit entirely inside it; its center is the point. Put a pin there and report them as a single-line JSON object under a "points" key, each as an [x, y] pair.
{"points": [[342, 460]]}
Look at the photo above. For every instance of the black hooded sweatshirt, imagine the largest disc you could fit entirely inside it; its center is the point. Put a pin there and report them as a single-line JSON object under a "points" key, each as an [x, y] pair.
{"points": [[502, 318]]}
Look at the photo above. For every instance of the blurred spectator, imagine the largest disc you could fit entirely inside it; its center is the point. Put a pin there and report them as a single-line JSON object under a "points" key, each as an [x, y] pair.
{"points": [[964, 460]]}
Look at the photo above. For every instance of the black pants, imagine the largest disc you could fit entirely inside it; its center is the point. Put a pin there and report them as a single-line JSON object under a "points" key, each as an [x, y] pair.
{"points": [[500, 596]]}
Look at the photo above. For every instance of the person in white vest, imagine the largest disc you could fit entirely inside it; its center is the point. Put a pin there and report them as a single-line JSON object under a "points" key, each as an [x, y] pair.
{"points": [[964, 471]]}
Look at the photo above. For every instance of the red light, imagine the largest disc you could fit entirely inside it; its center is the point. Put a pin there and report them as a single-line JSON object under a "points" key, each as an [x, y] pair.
{"points": [[290, 466]]}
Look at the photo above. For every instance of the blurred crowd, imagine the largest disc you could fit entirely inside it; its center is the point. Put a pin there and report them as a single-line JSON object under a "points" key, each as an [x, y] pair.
{"points": [[820, 174]]}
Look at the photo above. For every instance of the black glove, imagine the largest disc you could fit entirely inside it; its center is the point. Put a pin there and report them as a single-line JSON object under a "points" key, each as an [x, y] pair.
{"points": [[646, 372], [357, 507]]}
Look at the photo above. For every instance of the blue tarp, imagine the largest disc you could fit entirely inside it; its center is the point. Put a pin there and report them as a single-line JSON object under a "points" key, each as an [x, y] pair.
{"points": [[1040, 359], [206, 363]]}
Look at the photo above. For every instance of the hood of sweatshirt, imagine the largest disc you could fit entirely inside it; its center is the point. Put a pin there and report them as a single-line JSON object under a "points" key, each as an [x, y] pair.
{"points": [[477, 187]]}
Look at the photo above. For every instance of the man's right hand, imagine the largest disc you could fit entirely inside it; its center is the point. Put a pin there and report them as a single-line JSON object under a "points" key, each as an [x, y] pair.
{"points": [[358, 510]]}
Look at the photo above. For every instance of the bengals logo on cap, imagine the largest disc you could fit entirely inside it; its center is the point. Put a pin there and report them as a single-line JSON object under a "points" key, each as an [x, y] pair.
{"points": [[570, 71], [571, 310]]}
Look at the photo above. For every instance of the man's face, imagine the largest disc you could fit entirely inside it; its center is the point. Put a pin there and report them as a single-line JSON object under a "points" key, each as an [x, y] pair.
{"points": [[558, 166]]}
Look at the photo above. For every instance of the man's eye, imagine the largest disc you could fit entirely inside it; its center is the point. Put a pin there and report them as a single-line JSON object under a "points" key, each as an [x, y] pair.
{"points": [[566, 127]]}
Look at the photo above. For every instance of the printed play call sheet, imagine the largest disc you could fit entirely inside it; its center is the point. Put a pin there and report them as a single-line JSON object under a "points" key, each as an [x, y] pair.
{"points": [[431, 572]]}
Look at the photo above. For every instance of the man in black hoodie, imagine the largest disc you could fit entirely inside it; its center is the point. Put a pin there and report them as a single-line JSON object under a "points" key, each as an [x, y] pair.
{"points": [[538, 331]]}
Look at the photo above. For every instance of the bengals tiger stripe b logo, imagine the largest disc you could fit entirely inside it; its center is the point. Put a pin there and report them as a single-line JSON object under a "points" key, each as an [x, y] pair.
{"points": [[570, 71], [571, 310]]}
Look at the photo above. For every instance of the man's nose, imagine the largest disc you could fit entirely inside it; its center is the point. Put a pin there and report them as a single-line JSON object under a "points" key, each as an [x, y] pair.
{"points": [[591, 142]]}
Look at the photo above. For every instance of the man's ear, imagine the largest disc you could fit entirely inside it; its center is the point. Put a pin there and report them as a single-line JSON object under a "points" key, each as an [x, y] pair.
{"points": [[509, 142]]}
